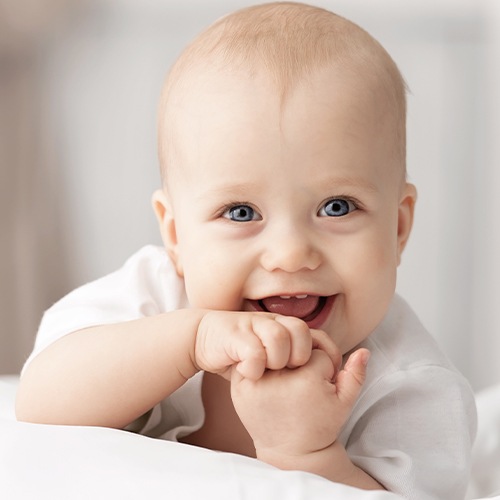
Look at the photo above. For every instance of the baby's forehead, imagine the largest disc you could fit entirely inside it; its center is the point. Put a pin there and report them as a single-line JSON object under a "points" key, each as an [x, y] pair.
{"points": [[212, 88], [281, 44]]}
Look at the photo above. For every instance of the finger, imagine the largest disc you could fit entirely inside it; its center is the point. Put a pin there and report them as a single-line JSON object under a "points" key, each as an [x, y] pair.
{"points": [[246, 370], [350, 380], [301, 340], [248, 354], [322, 341], [275, 338], [236, 378], [252, 369], [322, 364]]}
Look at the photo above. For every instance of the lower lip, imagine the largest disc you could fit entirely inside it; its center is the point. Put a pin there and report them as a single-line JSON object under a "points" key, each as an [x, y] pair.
{"points": [[317, 321]]}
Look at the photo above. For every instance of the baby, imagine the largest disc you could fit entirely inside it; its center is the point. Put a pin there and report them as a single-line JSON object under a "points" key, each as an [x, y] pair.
{"points": [[284, 212]]}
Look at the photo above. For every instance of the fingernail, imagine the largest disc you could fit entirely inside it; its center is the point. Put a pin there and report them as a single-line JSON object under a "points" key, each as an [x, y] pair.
{"points": [[365, 357]]}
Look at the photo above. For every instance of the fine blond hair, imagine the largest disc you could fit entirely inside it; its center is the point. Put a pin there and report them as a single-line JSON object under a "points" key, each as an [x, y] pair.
{"points": [[287, 41]]}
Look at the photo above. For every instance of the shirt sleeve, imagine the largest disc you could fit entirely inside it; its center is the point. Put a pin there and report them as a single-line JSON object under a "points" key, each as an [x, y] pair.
{"points": [[417, 434], [146, 285], [177, 416]]}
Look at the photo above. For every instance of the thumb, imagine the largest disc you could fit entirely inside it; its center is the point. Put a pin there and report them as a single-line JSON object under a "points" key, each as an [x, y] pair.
{"points": [[351, 378], [235, 377]]}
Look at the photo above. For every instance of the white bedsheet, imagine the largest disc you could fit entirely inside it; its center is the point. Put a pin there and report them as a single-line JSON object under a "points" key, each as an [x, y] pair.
{"points": [[57, 462]]}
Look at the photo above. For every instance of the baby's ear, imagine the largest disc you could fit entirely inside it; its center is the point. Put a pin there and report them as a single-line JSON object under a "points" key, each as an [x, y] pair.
{"points": [[405, 216], [166, 220]]}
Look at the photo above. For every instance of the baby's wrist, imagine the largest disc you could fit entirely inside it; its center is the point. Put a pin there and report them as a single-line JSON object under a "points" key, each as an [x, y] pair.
{"points": [[188, 321], [293, 459], [331, 462]]}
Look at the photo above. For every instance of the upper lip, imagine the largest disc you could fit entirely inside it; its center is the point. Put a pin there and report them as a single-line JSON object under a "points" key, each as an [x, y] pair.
{"points": [[291, 294], [301, 296]]}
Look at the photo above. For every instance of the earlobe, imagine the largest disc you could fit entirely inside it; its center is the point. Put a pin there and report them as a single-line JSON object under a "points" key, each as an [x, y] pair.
{"points": [[166, 221], [405, 216]]}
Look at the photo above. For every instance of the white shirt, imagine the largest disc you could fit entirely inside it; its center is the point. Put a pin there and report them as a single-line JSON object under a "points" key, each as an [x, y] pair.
{"points": [[412, 427]]}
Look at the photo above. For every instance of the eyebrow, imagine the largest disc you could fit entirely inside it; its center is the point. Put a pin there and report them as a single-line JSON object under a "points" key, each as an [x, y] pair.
{"points": [[351, 182], [237, 189], [244, 189]]}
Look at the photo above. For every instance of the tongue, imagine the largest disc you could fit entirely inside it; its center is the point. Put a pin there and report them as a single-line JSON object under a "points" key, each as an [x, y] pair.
{"points": [[300, 308]]}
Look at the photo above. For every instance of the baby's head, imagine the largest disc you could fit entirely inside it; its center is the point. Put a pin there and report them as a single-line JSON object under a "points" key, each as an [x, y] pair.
{"points": [[282, 151], [285, 43]]}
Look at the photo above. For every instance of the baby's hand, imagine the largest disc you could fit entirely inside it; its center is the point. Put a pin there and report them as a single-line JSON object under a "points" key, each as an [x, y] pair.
{"points": [[252, 342], [294, 413]]}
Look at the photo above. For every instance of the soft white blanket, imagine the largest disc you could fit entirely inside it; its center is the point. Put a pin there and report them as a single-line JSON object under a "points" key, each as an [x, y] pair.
{"points": [[57, 462]]}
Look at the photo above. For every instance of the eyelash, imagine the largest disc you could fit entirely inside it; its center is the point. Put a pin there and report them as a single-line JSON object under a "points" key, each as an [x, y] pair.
{"points": [[225, 212], [352, 206]]}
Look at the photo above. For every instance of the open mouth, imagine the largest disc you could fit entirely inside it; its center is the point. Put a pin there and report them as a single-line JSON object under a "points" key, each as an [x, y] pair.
{"points": [[312, 309]]}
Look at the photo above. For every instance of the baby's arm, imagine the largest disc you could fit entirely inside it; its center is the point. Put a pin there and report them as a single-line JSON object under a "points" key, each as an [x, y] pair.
{"points": [[109, 375], [295, 416]]}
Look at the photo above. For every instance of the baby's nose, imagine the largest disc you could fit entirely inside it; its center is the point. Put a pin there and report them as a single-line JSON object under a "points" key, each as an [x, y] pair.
{"points": [[290, 250]]}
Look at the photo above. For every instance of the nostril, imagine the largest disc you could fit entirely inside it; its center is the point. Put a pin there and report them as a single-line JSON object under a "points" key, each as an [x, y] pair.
{"points": [[291, 259]]}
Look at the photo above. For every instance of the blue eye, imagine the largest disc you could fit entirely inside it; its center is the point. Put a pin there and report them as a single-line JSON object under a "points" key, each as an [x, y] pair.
{"points": [[241, 213], [337, 207]]}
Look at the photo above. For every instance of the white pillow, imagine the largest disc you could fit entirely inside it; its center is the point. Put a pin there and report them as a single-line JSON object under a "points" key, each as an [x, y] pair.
{"points": [[59, 462], [8, 388], [51, 462]]}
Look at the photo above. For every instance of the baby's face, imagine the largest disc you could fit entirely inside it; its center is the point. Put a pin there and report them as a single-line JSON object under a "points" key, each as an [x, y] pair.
{"points": [[298, 209]]}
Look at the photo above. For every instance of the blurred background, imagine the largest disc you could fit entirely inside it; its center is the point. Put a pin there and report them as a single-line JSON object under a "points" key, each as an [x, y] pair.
{"points": [[79, 86]]}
